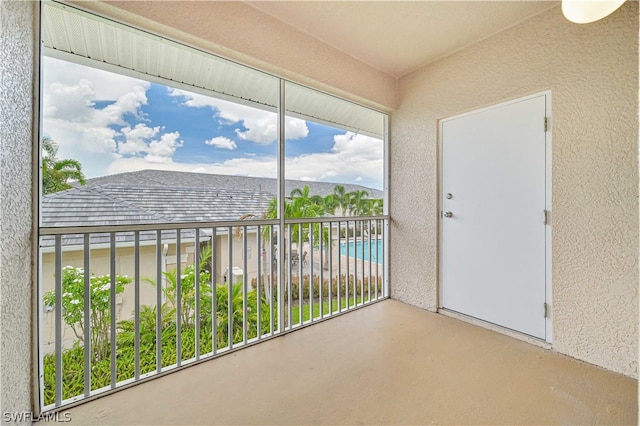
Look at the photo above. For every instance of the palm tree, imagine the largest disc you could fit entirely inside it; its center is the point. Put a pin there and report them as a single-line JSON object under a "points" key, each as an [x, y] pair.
{"points": [[339, 199], [359, 203], [377, 206], [188, 288], [270, 213], [301, 205], [237, 304], [57, 175]]}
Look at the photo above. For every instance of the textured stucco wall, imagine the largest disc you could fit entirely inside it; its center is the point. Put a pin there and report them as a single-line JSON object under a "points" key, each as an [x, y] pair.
{"points": [[16, 82], [266, 43], [592, 71]]}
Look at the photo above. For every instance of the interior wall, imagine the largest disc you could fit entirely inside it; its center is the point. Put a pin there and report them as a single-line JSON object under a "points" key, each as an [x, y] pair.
{"points": [[266, 43], [17, 39], [592, 71]]}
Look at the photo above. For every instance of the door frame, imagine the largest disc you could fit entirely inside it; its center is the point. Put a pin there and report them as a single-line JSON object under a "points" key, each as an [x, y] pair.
{"points": [[548, 188]]}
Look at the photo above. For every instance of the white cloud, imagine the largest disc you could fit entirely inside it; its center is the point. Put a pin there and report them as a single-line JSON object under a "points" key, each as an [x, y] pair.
{"points": [[161, 151], [128, 103], [136, 138], [139, 142], [355, 159], [260, 126], [84, 133], [70, 116], [358, 148], [106, 85], [295, 128], [222, 142], [69, 102]]}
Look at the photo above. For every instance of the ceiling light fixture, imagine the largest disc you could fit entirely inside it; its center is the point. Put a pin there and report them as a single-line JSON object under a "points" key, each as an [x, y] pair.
{"points": [[586, 11]]}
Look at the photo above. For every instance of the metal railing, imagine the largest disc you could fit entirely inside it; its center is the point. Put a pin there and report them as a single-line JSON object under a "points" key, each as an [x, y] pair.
{"points": [[127, 303]]}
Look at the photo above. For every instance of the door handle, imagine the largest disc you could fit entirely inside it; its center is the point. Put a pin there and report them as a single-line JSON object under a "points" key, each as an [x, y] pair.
{"points": [[448, 214]]}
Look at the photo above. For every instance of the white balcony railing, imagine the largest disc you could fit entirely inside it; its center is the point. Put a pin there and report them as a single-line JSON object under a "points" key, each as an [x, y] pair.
{"points": [[127, 303]]}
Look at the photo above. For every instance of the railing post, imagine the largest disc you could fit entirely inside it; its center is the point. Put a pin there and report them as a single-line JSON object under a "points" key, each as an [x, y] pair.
{"points": [[112, 306], [159, 260], [300, 292], [310, 261], [58, 320], [214, 290], [178, 297], [245, 287], [230, 289], [338, 290], [260, 259], [87, 315], [136, 299], [271, 286], [196, 263], [330, 253], [370, 260]]}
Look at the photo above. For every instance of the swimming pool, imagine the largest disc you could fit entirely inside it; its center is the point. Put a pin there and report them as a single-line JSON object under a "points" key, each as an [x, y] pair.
{"points": [[376, 250]]}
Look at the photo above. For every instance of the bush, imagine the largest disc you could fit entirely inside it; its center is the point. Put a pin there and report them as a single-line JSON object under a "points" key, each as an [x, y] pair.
{"points": [[73, 358], [100, 312], [360, 285]]}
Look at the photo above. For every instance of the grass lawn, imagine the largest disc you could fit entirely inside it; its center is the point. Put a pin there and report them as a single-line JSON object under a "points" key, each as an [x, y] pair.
{"points": [[295, 309]]}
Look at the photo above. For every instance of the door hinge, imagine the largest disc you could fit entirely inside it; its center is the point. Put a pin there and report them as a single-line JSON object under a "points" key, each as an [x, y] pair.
{"points": [[546, 310], [546, 124], [545, 217]]}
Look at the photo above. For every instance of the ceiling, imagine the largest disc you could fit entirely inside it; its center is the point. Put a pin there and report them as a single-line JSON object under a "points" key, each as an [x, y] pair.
{"points": [[397, 37], [76, 36]]}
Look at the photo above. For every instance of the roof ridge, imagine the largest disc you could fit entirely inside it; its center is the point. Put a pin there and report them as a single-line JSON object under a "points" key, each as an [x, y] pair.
{"points": [[99, 178], [150, 172], [162, 185]]}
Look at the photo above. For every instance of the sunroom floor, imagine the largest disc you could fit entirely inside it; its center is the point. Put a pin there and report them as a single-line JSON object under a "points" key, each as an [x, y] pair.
{"points": [[388, 363]]}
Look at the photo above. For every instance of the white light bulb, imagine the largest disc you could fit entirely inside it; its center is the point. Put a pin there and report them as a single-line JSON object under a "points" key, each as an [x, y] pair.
{"points": [[586, 11]]}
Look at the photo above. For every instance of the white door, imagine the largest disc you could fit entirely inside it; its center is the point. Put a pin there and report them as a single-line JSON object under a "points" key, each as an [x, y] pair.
{"points": [[493, 215]]}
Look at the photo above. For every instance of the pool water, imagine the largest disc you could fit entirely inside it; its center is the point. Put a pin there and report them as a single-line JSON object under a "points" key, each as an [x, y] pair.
{"points": [[376, 250]]}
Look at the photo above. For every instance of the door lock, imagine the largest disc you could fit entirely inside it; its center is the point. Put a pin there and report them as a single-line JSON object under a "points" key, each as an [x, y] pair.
{"points": [[448, 214]]}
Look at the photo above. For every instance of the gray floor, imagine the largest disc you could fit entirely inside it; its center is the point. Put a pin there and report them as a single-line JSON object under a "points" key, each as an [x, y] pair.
{"points": [[388, 363]]}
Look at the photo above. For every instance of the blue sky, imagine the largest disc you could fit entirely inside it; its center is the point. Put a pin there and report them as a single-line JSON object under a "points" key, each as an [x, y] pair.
{"points": [[113, 123]]}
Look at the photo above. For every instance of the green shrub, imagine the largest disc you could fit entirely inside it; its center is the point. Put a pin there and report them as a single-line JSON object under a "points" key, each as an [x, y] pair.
{"points": [[100, 312], [73, 358], [360, 285]]}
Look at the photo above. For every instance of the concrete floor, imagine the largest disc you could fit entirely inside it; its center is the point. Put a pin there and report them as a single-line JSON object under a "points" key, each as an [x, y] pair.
{"points": [[389, 363]]}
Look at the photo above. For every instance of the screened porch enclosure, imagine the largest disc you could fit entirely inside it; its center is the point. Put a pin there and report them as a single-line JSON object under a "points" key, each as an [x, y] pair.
{"points": [[141, 278]]}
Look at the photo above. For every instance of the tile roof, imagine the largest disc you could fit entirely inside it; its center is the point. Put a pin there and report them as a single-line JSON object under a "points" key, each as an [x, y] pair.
{"points": [[155, 196], [222, 182]]}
